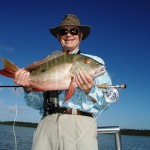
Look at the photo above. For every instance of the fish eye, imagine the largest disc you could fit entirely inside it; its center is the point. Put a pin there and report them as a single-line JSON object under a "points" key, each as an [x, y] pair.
{"points": [[86, 61]]}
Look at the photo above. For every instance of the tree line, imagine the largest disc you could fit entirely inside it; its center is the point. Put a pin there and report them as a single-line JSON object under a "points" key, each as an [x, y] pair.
{"points": [[18, 123], [133, 132]]}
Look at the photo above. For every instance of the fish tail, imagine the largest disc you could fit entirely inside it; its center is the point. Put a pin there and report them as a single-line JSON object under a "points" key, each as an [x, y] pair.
{"points": [[9, 68]]}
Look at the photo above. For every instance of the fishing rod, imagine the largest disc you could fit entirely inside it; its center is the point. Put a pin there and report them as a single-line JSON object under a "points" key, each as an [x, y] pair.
{"points": [[105, 86], [7, 86]]}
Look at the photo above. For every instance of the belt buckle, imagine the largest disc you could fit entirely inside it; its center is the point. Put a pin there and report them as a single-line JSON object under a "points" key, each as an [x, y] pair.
{"points": [[74, 111]]}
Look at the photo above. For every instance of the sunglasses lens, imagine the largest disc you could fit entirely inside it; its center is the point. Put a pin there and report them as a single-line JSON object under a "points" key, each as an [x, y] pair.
{"points": [[74, 31], [63, 32]]}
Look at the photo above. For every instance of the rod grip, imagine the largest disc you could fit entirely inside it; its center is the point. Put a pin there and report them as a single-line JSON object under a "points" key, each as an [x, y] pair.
{"points": [[123, 86], [102, 86]]}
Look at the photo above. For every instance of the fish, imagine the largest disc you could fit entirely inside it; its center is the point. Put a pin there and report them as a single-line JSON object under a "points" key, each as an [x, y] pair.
{"points": [[56, 72]]}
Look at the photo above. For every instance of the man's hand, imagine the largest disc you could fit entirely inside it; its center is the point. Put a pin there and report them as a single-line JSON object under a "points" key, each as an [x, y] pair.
{"points": [[21, 77], [84, 81]]}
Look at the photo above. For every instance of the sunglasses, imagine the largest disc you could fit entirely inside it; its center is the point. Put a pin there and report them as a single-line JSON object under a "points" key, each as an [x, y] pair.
{"points": [[72, 31]]}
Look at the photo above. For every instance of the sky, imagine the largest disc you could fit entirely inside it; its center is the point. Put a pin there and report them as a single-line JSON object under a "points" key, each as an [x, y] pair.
{"points": [[120, 35]]}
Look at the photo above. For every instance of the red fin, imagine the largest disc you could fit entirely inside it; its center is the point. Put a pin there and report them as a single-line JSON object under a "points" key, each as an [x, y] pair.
{"points": [[71, 89], [37, 90], [7, 73], [9, 68]]}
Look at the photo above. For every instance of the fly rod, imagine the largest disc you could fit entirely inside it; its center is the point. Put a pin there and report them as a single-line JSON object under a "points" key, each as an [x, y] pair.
{"points": [[7, 86], [105, 86]]}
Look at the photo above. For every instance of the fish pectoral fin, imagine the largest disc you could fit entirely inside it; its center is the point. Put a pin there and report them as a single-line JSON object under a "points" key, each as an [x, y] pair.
{"points": [[37, 90], [71, 89]]}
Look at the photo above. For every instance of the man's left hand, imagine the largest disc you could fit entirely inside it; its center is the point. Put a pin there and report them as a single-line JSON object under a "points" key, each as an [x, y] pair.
{"points": [[84, 81]]}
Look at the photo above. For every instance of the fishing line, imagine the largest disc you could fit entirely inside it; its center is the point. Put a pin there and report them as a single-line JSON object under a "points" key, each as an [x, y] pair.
{"points": [[111, 96], [88, 127], [16, 113]]}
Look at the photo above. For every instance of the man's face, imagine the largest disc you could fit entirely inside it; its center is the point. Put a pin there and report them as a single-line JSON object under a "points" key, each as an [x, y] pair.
{"points": [[69, 37]]}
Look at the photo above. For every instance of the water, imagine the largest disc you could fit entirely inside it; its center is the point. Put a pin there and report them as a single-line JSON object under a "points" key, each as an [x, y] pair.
{"points": [[23, 138], [106, 141]]}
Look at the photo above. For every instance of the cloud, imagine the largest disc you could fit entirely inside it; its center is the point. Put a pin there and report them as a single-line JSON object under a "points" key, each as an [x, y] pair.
{"points": [[14, 109], [6, 48]]}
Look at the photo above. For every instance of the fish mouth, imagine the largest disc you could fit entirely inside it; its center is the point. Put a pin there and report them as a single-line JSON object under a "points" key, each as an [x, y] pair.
{"points": [[101, 70]]}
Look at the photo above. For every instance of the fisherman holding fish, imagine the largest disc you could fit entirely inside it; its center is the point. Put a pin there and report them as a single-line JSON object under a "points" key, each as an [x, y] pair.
{"points": [[70, 106]]}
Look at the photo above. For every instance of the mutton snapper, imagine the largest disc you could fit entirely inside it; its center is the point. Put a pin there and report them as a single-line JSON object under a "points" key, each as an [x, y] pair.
{"points": [[57, 72]]}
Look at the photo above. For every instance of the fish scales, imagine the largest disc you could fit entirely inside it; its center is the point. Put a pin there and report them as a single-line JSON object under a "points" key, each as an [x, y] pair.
{"points": [[55, 72]]}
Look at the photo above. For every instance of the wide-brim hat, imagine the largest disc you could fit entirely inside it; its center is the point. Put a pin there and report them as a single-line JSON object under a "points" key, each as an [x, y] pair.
{"points": [[72, 20]]}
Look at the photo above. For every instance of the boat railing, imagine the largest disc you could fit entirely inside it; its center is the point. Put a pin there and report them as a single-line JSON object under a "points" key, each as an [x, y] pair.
{"points": [[112, 130]]}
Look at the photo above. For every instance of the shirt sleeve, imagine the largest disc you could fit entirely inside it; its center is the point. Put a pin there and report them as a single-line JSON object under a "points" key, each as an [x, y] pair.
{"points": [[35, 100], [98, 93]]}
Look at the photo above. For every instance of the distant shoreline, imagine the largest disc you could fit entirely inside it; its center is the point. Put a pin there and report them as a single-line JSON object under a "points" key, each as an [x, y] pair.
{"points": [[133, 132], [19, 123]]}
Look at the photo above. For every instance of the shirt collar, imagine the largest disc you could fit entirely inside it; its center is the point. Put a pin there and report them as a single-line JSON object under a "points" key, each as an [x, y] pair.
{"points": [[74, 52]]}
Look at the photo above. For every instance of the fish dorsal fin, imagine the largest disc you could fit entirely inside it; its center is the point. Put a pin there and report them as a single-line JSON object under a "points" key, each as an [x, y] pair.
{"points": [[50, 57], [8, 65], [55, 54]]}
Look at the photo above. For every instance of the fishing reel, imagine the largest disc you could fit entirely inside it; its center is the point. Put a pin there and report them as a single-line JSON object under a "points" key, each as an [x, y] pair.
{"points": [[111, 95]]}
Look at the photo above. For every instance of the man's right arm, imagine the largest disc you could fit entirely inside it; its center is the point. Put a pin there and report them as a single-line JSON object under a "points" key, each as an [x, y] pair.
{"points": [[33, 99]]}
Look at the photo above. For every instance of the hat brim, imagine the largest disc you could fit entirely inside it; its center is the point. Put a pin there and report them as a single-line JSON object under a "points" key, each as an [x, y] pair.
{"points": [[84, 29]]}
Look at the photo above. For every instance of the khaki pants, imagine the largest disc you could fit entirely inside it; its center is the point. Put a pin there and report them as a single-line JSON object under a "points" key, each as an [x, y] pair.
{"points": [[66, 132]]}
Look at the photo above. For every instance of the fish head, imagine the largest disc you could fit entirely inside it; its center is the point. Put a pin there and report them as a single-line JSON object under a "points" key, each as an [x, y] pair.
{"points": [[93, 67], [101, 70]]}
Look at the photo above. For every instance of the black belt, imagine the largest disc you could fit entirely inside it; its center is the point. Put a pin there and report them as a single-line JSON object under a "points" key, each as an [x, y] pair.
{"points": [[69, 111]]}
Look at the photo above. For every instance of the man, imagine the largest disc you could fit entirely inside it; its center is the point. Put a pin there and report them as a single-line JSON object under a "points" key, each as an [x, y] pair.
{"points": [[74, 127]]}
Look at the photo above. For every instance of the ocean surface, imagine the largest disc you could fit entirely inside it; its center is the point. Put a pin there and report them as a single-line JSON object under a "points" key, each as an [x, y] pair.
{"points": [[20, 138]]}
